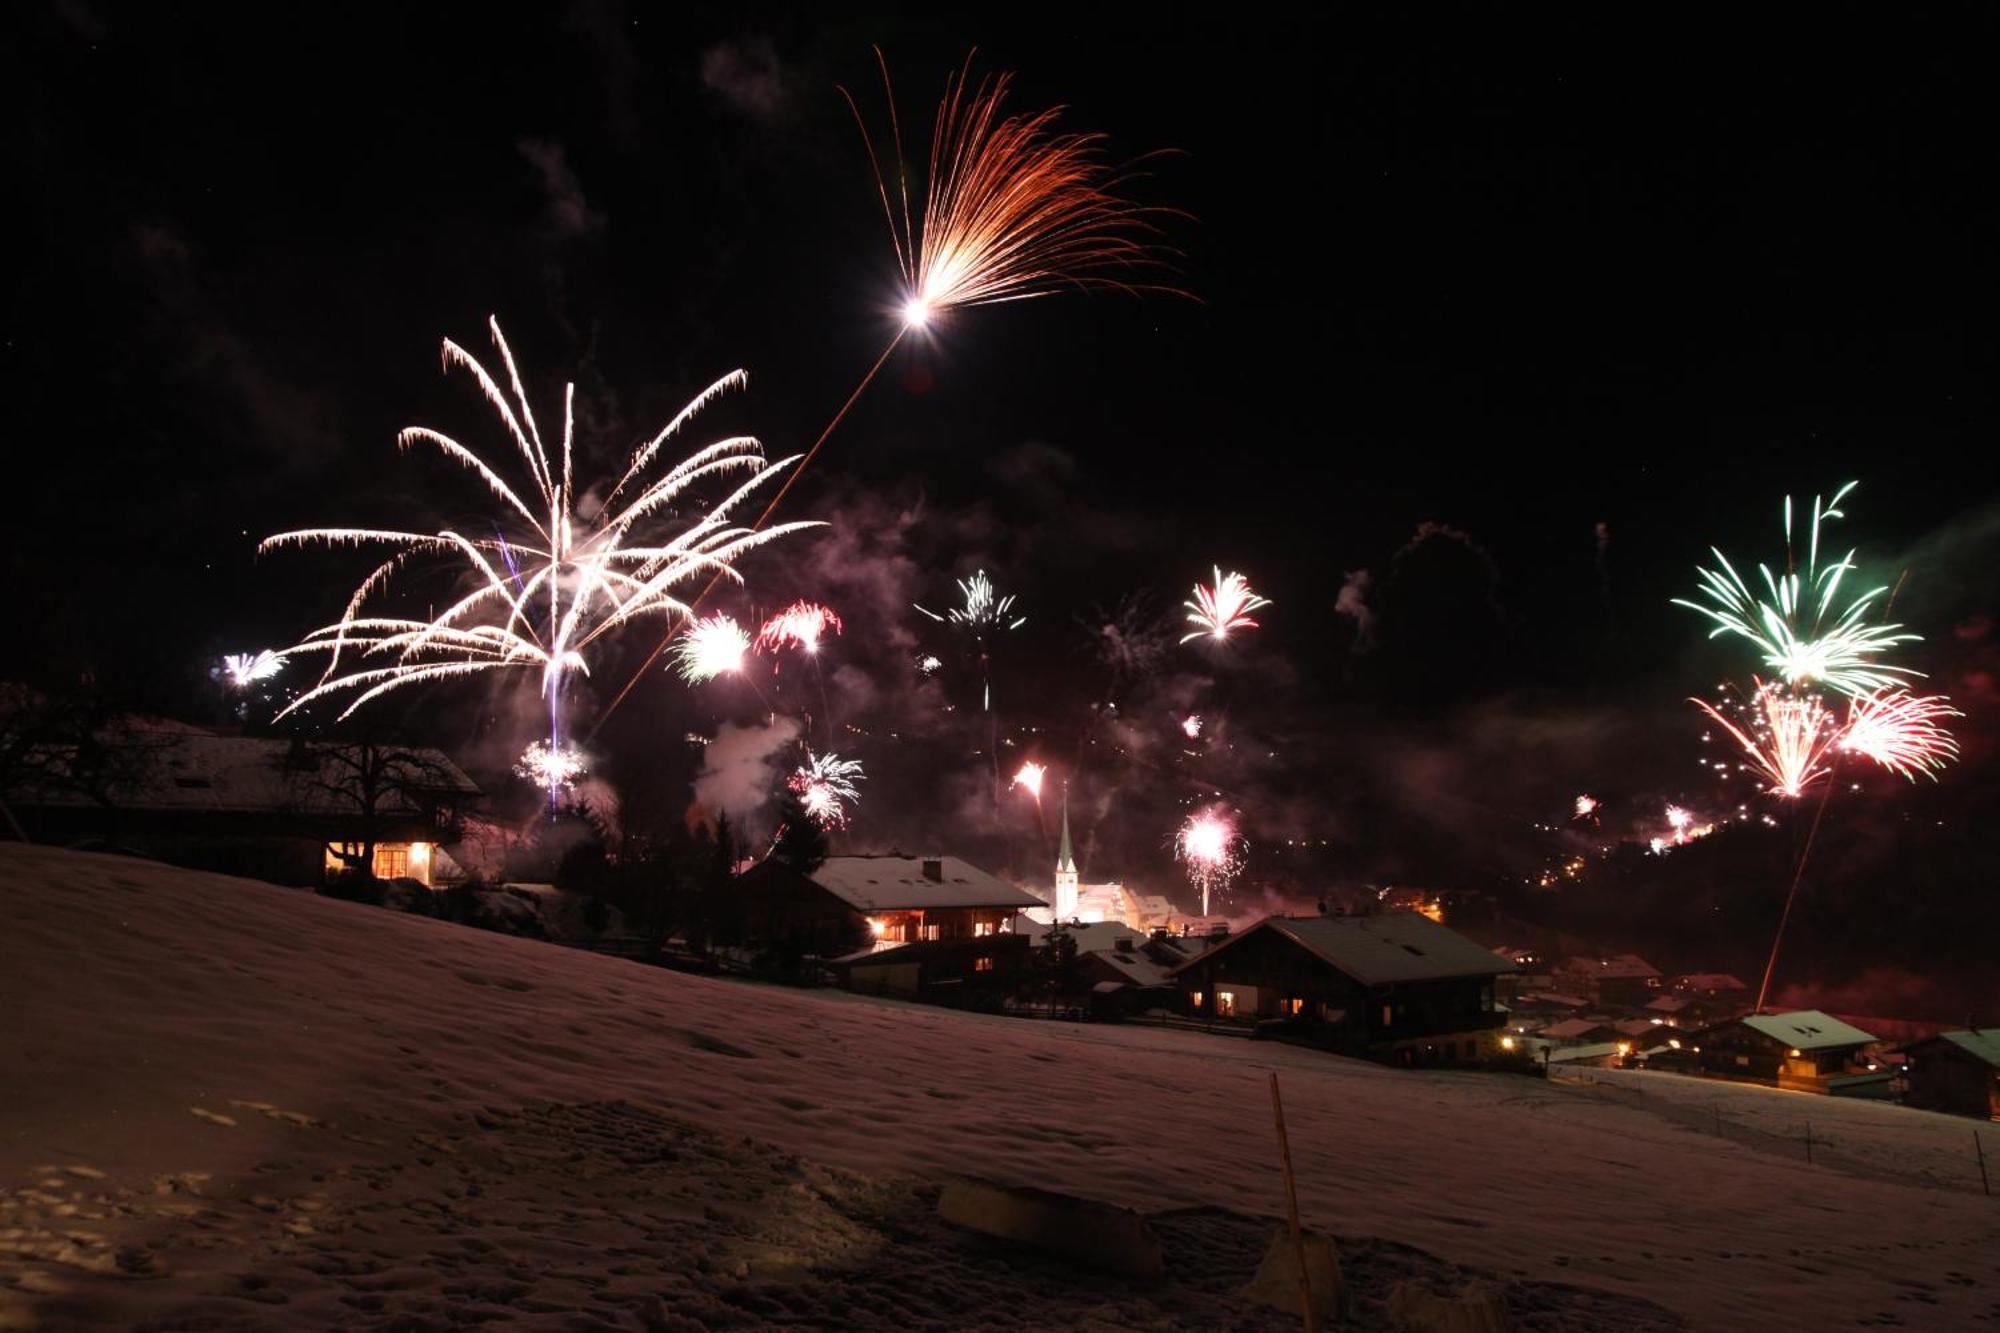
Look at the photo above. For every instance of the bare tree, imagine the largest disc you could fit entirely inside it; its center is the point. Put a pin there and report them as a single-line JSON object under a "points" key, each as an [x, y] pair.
{"points": [[370, 784]]}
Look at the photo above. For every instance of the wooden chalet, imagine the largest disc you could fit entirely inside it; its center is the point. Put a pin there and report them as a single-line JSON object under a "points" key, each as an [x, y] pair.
{"points": [[1804, 1051], [899, 924], [1396, 987], [1957, 1072]]}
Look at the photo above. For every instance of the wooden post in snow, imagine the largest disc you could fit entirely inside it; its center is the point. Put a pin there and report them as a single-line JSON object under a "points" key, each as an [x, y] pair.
{"points": [[1292, 1206], [1978, 1150]]}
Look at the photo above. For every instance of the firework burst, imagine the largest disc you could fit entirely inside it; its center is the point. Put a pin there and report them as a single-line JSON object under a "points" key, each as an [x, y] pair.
{"points": [[801, 625], [1804, 628], [1789, 738], [549, 585], [1901, 731], [711, 646], [1209, 845], [825, 783], [553, 768], [1217, 611], [1586, 806], [1191, 726], [1013, 208], [1030, 777], [242, 670], [981, 609]]}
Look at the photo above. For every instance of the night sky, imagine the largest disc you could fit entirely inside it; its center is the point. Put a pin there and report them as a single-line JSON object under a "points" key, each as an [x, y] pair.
{"points": [[1584, 298]]}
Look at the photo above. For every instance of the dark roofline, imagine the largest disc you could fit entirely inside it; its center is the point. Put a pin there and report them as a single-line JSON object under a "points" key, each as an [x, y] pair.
{"points": [[1502, 966]]}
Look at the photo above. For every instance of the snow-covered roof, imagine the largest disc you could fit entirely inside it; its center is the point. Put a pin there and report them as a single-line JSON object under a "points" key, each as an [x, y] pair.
{"points": [[1708, 981], [1807, 1030], [1565, 1055], [203, 772], [1376, 950], [1573, 1027], [1983, 1044], [905, 883], [1618, 965], [1090, 936], [1135, 967]]}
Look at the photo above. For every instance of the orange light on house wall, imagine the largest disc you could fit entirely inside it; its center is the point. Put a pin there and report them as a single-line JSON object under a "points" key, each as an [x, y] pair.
{"points": [[877, 927], [420, 862]]}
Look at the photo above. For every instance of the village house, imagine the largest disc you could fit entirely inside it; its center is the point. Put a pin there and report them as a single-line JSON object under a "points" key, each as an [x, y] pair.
{"points": [[287, 811], [1624, 980], [1582, 1032], [1684, 1009], [1957, 1072], [906, 925], [1804, 1051], [1395, 987], [1717, 986], [1119, 970]]}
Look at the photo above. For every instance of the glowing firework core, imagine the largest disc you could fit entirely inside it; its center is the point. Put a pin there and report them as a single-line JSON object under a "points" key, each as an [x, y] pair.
{"points": [[1030, 777], [710, 647], [1208, 845], [1227, 606], [552, 768], [246, 669], [1191, 726]]}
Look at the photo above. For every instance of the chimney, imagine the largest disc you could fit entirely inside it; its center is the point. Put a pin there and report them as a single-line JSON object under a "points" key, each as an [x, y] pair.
{"points": [[1124, 944], [934, 870]]}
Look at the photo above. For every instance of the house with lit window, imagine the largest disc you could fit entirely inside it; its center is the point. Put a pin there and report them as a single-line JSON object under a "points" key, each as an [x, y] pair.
{"points": [[1804, 1051], [1397, 987], [288, 811], [897, 924]]}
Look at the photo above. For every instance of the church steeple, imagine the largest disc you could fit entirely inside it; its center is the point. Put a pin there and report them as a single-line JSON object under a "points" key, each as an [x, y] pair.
{"points": [[1066, 876]]}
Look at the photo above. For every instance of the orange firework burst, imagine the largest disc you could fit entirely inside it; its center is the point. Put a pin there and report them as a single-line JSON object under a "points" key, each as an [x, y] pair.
{"points": [[1012, 206], [1789, 738]]}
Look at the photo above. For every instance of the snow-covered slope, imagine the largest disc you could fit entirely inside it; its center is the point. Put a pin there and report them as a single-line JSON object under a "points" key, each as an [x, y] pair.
{"points": [[248, 1104]]}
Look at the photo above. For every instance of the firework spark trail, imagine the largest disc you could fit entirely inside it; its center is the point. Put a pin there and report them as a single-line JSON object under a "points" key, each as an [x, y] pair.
{"points": [[1901, 731], [1215, 611], [554, 768], [1586, 806], [824, 784], [1210, 847], [246, 669], [1013, 209], [560, 584], [1793, 735], [982, 613], [1796, 626]]}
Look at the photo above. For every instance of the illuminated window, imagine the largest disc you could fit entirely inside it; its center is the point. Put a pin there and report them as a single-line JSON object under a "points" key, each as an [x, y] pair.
{"points": [[1296, 1006], [1225, 1002], [982, 964], [1198, 996], [1388, 1015], [392, 862]]}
